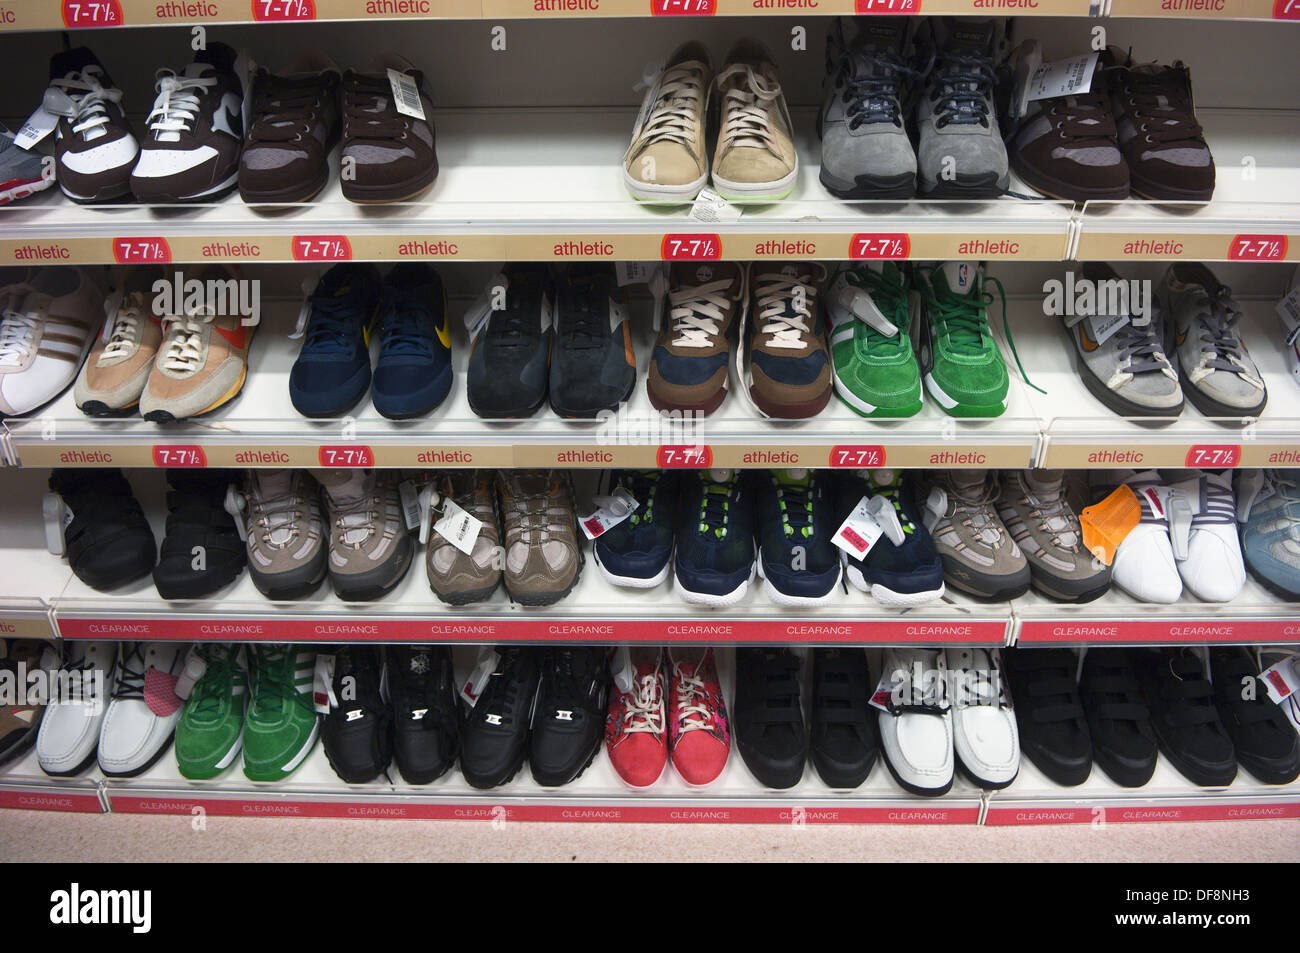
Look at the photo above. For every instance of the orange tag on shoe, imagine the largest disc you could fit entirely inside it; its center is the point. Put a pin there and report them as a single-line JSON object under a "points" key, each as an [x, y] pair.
{"points": [[1106, 524]]}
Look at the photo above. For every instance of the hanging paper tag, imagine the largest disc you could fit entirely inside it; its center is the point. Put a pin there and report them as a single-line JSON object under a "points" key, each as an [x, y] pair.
{"points": [[1104, 326], [458, 527], [1179, 509], [322, 692], [483, 669], [1282, 679], [38, 125], [610, 511], [406, 97], [410, 503], [1063, 77], [57, 517], [195, 666], [634, 272], [428, 499], [709, 206], [1288, 309], [860, 530], [883, 697]]}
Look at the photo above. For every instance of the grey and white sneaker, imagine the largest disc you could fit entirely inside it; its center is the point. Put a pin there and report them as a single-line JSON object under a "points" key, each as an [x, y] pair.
{"points": [[1217, 371], [285, 532], [1036, 512], [370, 547], [539, 522], [1129, 371], [979, 556], [961, 154], [866, 151]]}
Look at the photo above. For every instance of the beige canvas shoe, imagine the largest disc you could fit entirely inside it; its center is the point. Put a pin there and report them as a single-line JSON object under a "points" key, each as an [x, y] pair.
{"points": [[755, 159], [667, 160], [113, 377]]}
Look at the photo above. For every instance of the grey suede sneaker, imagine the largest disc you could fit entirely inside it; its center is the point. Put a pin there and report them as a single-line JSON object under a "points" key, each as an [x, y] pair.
{"points": [[979, 556], [456, 578], [961, 154], [866, 151], [286, 546], [1218, 373], [543, 559], [1035, 509], [370, 548]]}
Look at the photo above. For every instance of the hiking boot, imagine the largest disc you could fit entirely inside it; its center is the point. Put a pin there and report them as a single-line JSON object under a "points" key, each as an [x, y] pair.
{"points": [[1034, 509], [370, 547], [979, 556], [456, 578], [542, 557], [286, 549]]}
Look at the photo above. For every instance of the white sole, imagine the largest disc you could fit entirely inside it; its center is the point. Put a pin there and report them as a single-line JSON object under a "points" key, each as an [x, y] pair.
{"points": [[852, 399], [757, 191], [710, 599], [649, 192], [888, 597], [784, 599], [632, 582]]}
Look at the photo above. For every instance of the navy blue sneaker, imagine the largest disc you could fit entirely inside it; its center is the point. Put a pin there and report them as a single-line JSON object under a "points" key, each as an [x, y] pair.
{"points": [[413, 373], [714, 562], [510, 351], [796, 520], [636, 552], [332, 371], [899, 574]]}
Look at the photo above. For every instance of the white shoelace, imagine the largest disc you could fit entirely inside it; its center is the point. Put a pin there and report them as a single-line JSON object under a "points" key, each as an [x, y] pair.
{"points": [[696, 312], [86, 100], [17, 333], [778, 293], [645, 706], [125, 335], [675, 114], [177, 103], [692, 713], [183, 351], [745, 119]]}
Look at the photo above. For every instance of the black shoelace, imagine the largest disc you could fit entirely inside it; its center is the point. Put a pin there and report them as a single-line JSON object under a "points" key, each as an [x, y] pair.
{"points": [[963, 85]]}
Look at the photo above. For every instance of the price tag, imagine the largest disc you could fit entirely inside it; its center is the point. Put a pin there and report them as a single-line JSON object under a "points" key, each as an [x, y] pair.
{"points": [[141, 251], [406, 95], [880, 246], [483, 669], [321, 248], [683, 8], [38, 125], [346, 456], [860, 530], [1064, 77], [691, 248], [1257, 248], [79, 14], [709, 206], [1213, 456], [189, 455], [1104, 326], [672, 457], [58, 517], [410, 497], [1286, 9], [281, 11], [458, 527], [610, 511], [322, 692], [1281, 679], [857, 457]]}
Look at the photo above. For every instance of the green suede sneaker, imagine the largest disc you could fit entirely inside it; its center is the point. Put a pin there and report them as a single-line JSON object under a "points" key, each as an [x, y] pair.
{"points": [[210, 732], [871, 344], [281, 727], [963, 368]]}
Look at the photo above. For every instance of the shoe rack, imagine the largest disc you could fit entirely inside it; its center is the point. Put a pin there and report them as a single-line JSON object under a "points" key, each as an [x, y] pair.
{"points": [[530, 172]]}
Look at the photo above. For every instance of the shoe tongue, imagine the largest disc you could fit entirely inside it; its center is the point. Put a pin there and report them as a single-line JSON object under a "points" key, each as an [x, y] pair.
{"points": [[884, 478], [966, 36], [272, 483], [969, 482], [197, 70], [957, 278], [876, 36], [1044, 482], [349, 486], [63, 65]]}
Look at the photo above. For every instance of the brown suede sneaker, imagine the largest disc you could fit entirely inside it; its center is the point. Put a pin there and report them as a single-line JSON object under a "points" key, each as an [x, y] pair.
{"points": [[786, 363], [114, 376], [292, 126], [688, 369], [543, 558], [456, 578], [388, 156]]}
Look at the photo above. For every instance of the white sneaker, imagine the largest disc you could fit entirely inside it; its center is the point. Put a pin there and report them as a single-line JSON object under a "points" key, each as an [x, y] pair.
{"points": [[138, 725], [1209, 553], [48, 324], [916, 734], [1144, 565], [984, 734], [69, 733]]}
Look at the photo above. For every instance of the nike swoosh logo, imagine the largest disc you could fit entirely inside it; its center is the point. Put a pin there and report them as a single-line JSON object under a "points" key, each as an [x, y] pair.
{"points": [[228, 116], [1085, 341], [238, 339], [1179, 339], [444, 335]]}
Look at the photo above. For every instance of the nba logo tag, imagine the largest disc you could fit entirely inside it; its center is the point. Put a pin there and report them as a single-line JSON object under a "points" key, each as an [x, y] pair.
{"points": [[963, 275]]}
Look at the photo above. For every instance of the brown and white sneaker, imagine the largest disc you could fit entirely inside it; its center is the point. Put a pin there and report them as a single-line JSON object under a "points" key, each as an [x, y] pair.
{"points": [[455, 577], [539, 520], [370, 548], [114, 376], [689, 366], [785, 361], [48, 321], [293, 124], [196, 130], [389, 149], [95, 149], [202, 362], [755, 159]]}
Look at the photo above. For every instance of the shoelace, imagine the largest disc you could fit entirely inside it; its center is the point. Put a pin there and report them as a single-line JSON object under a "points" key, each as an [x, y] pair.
{"points": [[965, 321], [127, 323], [1139, 351], [674, 115], [1053, 514], [787, 313], [693, 712], [745, 120], [795, 502], [276, 683], [715, 507], [499, 696], [962, 87], [360, 667], [211, 691], [80, 687], [1086, 120], [89, 98], [974, 510], [406, 330], [284, 108], [643, 709], [696, 312], [891, 298], [1161, 98], [183, 351], [644, 487], [574, 680], [369, 111], [278, 512], [130, 680], [358, 519], [177, 104], [17, 335], [1221, 348], [584, 326], [332, 328], [876, 96], [975, 682]]}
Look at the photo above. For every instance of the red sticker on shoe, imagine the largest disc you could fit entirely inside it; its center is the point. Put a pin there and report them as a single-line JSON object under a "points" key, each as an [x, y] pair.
{"points": [[78, 14], [141, 251], [880, 246], [1258, 247], [1213, 457], [160, 692], [321, 248], [281, 11]]}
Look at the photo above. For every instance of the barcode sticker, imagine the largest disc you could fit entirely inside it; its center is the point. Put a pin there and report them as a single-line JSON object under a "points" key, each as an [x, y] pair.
{"points": [[1281, 680], [1104, 326], [38, 125], [1064, 77], [458, 527], [406, 97], [1288, 309], [410, 496], [709, 206]]}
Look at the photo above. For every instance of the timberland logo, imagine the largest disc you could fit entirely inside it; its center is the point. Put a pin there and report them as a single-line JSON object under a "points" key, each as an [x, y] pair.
{"points": [[1085, 298], [26, 691], [77, 907], [208, 299]]}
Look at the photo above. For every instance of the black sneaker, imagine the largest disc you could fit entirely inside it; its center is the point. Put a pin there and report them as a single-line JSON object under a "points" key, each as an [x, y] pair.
{"points": [[496, 728], [768, 717], [569, 718], [202, 550], [510, 350], [1053, 731], [357, 732], [1183, 715], [593, 367], [426, 718], [1119, 722], [844, 738], [1266, 744], [107, 539]]}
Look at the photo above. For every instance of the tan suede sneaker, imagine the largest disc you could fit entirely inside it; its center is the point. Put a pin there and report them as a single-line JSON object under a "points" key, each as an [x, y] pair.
{"points": [[667, 160], [755, 159]]}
